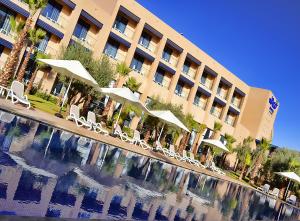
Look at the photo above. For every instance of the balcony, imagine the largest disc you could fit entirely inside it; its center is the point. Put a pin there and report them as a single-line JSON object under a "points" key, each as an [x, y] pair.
{"points": [[48, 50], [207, 84], [200, 103], [216, 112], [126, 33], [164, 82], [191, 73], [88, 42], [117, 58], [59, 24], [7, 35], [144, 71], [230, 120], [182, 94]]}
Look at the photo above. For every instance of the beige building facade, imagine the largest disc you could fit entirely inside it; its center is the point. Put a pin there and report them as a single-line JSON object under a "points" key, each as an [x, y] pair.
{"points": [[166, 63]]}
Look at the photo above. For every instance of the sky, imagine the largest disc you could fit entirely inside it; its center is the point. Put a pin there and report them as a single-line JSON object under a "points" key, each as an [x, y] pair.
{"points": [[257, 40]]}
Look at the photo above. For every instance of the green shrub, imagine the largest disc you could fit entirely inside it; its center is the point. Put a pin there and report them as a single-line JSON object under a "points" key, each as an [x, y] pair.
{"points": [[47, 97], [128, 131]]}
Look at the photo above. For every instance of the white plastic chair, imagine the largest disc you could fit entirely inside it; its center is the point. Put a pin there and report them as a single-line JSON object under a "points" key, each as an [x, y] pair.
{"points": [[265, 188], [97, 127], [16, 92], [173, 153], [124, 137], [160, 148], [274, 192], [292, 199], [137, 140], [75, 116], [216, 169]]}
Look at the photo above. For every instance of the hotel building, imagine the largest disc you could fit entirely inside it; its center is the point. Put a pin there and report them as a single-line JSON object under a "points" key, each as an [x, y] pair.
{"points": [[166, 63]]}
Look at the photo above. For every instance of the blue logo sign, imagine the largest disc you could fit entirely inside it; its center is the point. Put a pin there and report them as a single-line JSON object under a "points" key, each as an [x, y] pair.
{"points": [[273, 104]]}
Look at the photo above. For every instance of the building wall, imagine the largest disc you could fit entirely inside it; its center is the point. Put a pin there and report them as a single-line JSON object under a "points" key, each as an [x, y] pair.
{"points": [[253, 118]]}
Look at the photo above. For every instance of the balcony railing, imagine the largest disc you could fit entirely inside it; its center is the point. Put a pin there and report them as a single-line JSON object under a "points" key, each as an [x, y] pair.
{"points": [[144, 71], [48, 50], [182, 94], [201, 104], [236, 102], [206, 83], [172, 61], [128, 32], [222, 94], [191, 73], [151, 47], [87, 42], [165, 83], [7, 32], [216, 113], [61, 22], [230, 120]]}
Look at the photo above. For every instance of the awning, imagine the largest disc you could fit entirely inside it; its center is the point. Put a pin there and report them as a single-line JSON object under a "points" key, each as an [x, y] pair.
{"points": [[215, 144], [193, 59], [144, 54], [91, 19], [6, 43], [186, 81], [119, 39], [167, 68], [153, 30], [70, 4], [15, 8], [49, 28]]}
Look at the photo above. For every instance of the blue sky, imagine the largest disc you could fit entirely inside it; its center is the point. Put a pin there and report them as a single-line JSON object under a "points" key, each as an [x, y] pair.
{"points": [[259, 41]]}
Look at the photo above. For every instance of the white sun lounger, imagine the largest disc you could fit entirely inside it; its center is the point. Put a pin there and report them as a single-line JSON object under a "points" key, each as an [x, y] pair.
{"points": [[160, 148], [173, 153], [274, 192], [216, 169], [75, 116], [124, 137], [292, 199], [137, 140], [16, 93], [265, 188], [97, 127], [197, 162]]}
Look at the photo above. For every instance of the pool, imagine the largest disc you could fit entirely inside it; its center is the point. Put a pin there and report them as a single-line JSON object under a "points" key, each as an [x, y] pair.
{"points": [[47, 172]]}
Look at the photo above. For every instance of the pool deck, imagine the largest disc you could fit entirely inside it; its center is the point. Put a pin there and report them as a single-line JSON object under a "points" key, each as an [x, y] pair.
{"points": [[70, 126]]}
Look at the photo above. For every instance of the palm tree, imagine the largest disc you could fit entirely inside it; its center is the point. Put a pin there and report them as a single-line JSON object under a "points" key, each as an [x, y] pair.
{"points": [[132, 84], [261, 151], [35, 37], [230, 140], [244, 157], [16, 27], [246, 144], [216, 135], [39, 65], [12, 60], [123, 70]]}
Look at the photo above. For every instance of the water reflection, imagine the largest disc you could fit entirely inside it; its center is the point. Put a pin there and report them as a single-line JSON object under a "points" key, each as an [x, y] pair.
{"points": [[46, 172]]}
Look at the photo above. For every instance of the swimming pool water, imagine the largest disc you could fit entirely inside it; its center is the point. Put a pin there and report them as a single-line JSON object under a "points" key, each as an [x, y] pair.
{"points": [[46, 172]]}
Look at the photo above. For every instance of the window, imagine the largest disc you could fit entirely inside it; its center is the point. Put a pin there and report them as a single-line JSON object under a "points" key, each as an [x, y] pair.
{"points": [[5, 20], [197, 99], [43, 44], [159, 77], [52, 11], [121, 24], [167, 54], [145, 40], [186, 67], [137, 63], [203, 80], [111, 49], [179, 88], [81, 29]]}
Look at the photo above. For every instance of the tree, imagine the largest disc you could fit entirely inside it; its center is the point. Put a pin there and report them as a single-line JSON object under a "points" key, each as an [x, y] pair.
{"points": [[123, 70], [260, 155], [39, 65], [132, 84], [230, 140], [100, 69], [35, 37], [13, 58], [244, 156], [216, 135]]}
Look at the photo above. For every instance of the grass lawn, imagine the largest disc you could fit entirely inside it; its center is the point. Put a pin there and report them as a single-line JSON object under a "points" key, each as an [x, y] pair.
{"points": [[44, 105]]}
